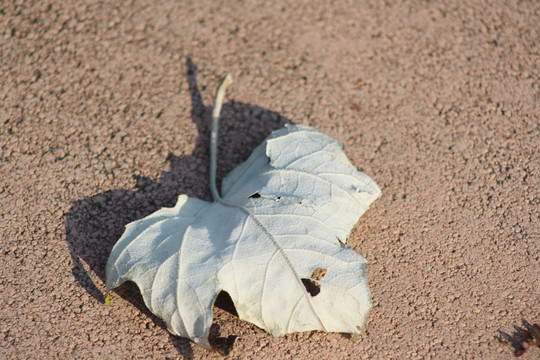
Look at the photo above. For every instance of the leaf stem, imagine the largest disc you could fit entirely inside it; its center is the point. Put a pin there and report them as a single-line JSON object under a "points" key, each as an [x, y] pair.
{"points": [[218, 103]]}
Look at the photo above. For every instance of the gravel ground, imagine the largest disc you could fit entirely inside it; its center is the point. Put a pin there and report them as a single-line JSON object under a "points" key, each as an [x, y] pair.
{"points": [[104, 110]]}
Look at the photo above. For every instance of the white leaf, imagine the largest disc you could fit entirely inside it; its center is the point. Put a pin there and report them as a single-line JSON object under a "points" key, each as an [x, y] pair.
{"points": [[283, 214], [274, 241]]}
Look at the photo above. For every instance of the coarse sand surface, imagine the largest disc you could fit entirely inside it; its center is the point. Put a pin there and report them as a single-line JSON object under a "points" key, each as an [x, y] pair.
{"points": [[104, 113]]}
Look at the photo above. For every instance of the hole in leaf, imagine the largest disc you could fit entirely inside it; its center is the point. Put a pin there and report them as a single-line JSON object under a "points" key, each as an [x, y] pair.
{"points": [[318, 274], [254, 196], [224, 301], [311, 287]]}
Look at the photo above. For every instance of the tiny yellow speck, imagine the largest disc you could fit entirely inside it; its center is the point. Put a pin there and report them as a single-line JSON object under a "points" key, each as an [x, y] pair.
{"points": [[107, 299]]}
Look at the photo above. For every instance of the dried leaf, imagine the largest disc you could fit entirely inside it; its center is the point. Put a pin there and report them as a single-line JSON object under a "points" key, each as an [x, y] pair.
{"points": [[281, 222]]}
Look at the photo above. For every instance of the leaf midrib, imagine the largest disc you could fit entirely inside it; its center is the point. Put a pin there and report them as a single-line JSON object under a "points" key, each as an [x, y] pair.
{"points": [[284, 255]]}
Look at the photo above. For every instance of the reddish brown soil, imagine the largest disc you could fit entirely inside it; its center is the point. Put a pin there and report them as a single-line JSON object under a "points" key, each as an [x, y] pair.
{"points": [[103, 119]]}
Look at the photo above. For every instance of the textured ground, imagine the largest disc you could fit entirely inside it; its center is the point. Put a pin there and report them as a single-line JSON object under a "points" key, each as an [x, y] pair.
{"points": [[103, 119]]}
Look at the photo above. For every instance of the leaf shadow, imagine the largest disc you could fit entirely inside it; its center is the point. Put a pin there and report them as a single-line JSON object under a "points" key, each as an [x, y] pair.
{"points": [[94, 224], [519, 337]]}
